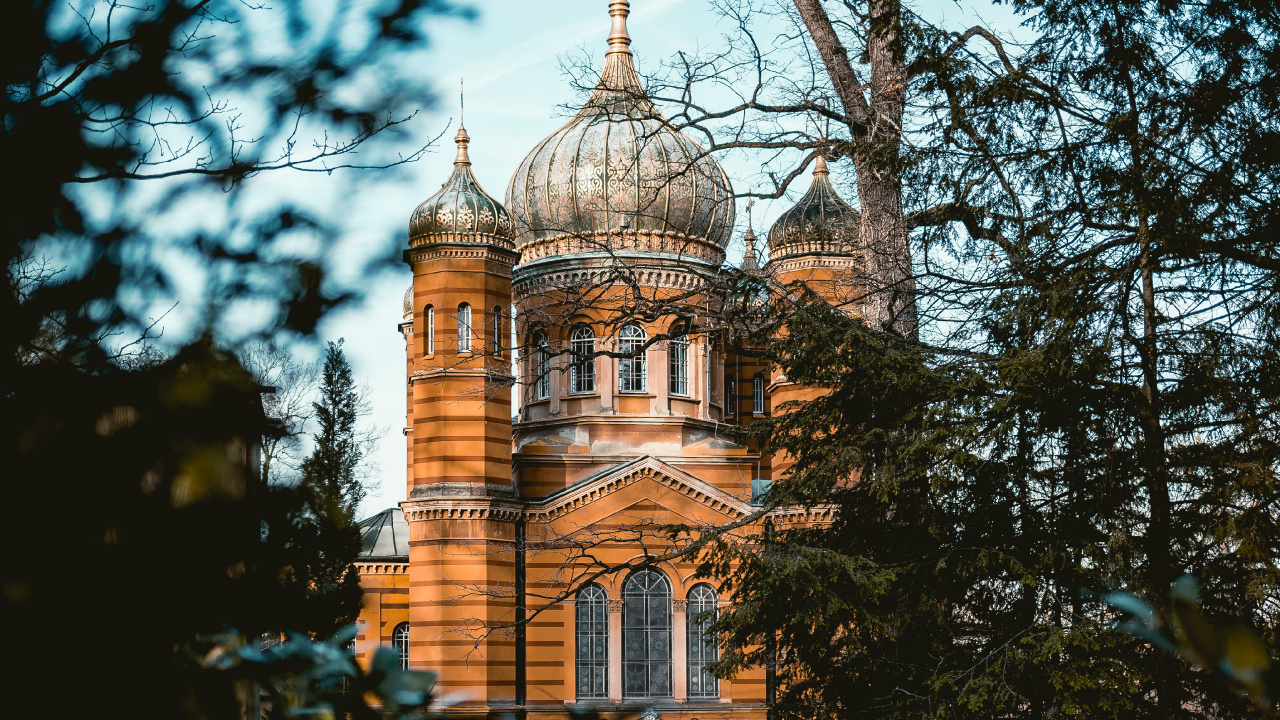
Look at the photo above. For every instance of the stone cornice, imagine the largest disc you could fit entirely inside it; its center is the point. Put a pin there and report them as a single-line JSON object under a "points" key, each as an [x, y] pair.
{"points": [[666, 242], [793, 515], [382, 568], [575, 271], [502, 259], [791, 263], [461, 509]]}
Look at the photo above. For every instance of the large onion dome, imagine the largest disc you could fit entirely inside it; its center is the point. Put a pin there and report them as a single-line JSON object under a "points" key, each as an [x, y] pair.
{"points": [[819, 223], [619, 164], [461, 211]]}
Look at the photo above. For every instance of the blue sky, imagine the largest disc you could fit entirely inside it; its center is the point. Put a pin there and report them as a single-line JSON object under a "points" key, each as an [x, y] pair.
{"points": [[510, 59]]}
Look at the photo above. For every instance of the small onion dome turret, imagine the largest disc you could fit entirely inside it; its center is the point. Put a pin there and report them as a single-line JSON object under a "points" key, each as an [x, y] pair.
{"points": [[819, 223], [620, 165], [461, 211], [408, 302]]}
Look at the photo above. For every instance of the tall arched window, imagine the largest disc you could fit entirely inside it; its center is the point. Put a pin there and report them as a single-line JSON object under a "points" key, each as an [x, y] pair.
{"points": [[757, 394], [431, 329], [592, 635], [646, 635], [703, 649], [541, 366], [632, 369], [497, 331], [582, 371], [730, 398], [464, 328], [400, 641], [678, 360]]}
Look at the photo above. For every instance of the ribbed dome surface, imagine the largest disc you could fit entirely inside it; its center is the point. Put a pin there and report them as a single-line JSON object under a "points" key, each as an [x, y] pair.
{"points": [[617, 163], [819, 223], [408, 301], [461, 211]]}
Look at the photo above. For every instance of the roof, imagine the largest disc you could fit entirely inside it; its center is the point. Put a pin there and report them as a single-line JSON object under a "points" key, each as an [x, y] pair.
{"points": [[385, 536]]}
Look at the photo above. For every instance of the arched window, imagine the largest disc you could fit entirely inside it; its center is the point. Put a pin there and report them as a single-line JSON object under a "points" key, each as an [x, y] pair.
{"points": [[730, 398], [592, 634], [632, 369], [430, 321], [541, 366], [464, 328], [646, 635], [582, 373], [703, 649], [497, 331], [678, 360], [400, 641], [757, 394]]}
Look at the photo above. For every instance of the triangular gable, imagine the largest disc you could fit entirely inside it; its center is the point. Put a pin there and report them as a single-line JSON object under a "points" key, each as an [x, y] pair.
{"points": [[625, 475]]}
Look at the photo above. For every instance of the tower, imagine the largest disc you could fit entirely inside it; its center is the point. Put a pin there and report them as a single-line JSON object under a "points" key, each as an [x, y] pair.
{"points": [[815, 243], [460, 507]]}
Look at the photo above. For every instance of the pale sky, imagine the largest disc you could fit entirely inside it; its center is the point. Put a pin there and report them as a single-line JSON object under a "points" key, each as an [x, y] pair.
{"points": [[509, 59]]}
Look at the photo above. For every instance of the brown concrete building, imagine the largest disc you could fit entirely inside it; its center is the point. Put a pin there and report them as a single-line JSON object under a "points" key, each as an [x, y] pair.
{"points": [[591, 271]]}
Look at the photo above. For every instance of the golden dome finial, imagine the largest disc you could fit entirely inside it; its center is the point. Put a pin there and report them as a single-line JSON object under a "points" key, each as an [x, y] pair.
{"points": [[619, 40], [820, 168], [462, 138]]}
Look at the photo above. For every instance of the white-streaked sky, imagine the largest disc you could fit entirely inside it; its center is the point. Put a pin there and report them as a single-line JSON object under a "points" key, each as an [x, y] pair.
{"points": [[509, 58]]}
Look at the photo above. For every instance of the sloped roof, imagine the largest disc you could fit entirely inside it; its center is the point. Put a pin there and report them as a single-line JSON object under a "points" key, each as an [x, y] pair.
{"points": [[385, 536]]}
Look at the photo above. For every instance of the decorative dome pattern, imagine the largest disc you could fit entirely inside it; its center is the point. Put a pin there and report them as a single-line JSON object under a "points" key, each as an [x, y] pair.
{"points": [[408, 302], [461, 211], [620, 164], [819, 223]]}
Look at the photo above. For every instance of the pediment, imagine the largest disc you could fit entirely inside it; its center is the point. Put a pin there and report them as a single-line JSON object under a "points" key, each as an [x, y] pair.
{"points": [[645, 479]]}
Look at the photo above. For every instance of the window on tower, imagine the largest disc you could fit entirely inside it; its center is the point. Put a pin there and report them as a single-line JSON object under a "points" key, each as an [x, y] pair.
{"points": [[464, 328], [730, 398], [497, 331], [678, 359], [582, 371], [430, 322], [541, 366], [757, 394], [646, 635], [632, 369], [592, 636]]}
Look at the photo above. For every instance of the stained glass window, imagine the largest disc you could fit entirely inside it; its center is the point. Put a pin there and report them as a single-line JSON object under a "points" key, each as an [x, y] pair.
{"points": [[592, 634], [702, 644], [646, 635]]}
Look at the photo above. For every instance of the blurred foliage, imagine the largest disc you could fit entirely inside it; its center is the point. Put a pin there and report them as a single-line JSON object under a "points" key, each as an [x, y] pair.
{"points": [[135, 514], [306, 678]]}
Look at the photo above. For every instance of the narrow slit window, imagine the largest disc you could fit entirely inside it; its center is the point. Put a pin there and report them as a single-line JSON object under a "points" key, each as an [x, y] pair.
{"points": [[497, 331], [431, 329], [464, 328], [730, 398], [757, 394], [541, 366]]}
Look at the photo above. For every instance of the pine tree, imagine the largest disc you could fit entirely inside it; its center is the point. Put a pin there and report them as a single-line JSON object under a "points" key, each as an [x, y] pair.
{"points": [[331, 471], [328, 539]]}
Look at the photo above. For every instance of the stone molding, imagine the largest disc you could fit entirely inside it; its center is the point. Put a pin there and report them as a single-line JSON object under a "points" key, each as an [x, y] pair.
{"points": [[792, 263], [466, 238], [651, 468], [501, 259], [679, 606], [628, 240], [382, 568], [475, 509], [793, 515], [531, 282], [615, 606]]}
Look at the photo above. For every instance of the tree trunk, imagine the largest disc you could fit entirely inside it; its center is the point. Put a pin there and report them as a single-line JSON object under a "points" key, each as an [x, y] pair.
{"points": [[876, 129]]}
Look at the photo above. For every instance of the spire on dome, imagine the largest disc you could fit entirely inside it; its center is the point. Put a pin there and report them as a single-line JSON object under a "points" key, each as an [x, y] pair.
{"points": [[619, 39], [462, 138], [750, 262]]}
